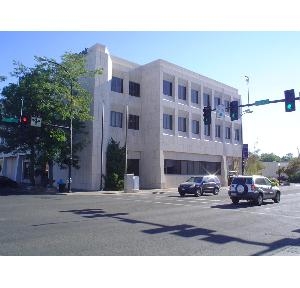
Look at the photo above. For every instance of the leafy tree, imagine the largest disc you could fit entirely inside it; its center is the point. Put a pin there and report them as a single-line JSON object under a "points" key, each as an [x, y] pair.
{"points": [[293, 169], [55, 92], [269, 157], [288, 157], [253, 165], [115, 166]]}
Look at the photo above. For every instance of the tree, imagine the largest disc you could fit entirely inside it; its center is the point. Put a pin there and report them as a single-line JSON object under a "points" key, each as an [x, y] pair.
{"points": [[269, 157], [293, 170], [253, 165], [115, 166], [55, 92], [288, 157]]}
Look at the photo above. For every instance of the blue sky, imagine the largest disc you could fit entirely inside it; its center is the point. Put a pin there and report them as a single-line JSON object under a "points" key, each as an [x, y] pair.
{"points": [[270, 60]]}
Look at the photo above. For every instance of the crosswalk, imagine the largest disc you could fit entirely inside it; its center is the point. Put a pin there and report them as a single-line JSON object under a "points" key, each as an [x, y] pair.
{"points": [[220, 201], [170, 200]]}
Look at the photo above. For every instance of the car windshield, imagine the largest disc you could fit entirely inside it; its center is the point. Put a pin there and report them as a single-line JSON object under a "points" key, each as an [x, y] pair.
{"points": [[195, 179]]}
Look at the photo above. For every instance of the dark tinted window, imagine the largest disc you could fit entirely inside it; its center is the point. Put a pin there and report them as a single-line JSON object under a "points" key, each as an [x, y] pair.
{"points": [[134, 89], [167, 88], [117, 84], [242, 180]]}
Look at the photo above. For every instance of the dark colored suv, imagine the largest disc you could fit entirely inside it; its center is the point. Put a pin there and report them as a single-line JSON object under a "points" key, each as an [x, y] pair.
{"points": [[254, 188], [198, 185]]}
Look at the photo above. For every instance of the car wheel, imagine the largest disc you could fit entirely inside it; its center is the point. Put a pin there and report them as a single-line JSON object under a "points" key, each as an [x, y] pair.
{"points": [[259, 199], [235, 200], [216, 191], [198, 192], [277, 197], [181, 194]]}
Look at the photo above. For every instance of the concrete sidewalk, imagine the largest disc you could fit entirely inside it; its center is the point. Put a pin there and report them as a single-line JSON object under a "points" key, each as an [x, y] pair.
{"points": [[138, 192]]}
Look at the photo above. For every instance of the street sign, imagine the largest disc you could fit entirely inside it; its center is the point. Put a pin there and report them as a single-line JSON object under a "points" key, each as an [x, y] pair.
{"points": [[36, 121], [262, 102], [220, 110], [10, 120], [245, 151]]}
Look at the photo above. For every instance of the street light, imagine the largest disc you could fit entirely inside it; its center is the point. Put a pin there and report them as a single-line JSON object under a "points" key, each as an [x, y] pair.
{"points": [[71, 121], [279, 172]]}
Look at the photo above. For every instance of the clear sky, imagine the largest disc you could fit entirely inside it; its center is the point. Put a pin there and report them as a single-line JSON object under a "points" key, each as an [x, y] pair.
{"points": [[270, 60]]}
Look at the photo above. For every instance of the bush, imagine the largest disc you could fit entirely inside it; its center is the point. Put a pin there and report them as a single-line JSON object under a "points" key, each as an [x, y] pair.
{"points": [[295, 178], [115, 166]]}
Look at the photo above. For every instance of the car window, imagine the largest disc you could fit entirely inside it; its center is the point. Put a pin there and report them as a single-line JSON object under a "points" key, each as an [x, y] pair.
{"points": [[198, 179], [195, 179], [260, 181], [268, 182], [242, 180]]}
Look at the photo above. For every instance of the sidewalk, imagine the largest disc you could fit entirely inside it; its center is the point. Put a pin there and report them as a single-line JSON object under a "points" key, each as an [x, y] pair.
{"points": [[138, 192]]}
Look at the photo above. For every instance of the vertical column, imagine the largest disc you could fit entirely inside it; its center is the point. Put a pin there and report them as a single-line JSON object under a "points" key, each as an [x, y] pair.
{"points": [[201, 112], [175, 120]]}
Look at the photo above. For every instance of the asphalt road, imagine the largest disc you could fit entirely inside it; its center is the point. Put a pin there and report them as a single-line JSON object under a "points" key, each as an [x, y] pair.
{"points": [[148, 224]]}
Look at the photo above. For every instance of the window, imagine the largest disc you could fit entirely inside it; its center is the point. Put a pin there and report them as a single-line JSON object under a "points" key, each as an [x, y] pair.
{"points": [[182, 124], [167, 88], [194, 96], [134, 89], [117, 84], [133, 166], [227, 107], [181, 92], [217, 101], [237, 135], [218, 131], [185, 167], [116, 119], [206, 100], [133, 122], [195, 127], [167, 121], [207, 130], [227, 133]]}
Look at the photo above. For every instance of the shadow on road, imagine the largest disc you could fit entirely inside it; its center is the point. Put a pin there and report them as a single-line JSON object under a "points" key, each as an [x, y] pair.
{"points": [[240, 205], [188, 231]]}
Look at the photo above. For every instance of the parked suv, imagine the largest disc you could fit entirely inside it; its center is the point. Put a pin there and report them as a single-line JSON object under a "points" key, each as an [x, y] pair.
{"points": [[198, 185], [254, 188]]}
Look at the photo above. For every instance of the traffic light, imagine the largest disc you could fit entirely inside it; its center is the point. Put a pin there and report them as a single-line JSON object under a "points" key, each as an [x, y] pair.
{"points": [[207, 115], [24, 120], [234, 110], [289, 100]]}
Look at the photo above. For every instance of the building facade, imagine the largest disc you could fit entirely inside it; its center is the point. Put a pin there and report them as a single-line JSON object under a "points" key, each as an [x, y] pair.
{"points": [[166, 137], [167, 140]]}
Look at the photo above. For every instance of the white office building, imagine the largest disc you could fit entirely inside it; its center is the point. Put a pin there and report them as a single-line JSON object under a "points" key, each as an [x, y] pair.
{"points": [[167, 139]]}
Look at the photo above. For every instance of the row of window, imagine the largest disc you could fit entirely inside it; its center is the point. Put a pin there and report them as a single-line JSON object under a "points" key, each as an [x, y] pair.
{"points": [[182, 94], [116, 120], [134, 90], [182, 126], [117, 86], [185, 167]]}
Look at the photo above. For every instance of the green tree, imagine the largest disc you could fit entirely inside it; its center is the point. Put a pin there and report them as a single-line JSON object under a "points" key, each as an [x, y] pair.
{"points": [[288, 157], [293, 170], [56, 93], [269, 157], [115, 166], [253, 165]]}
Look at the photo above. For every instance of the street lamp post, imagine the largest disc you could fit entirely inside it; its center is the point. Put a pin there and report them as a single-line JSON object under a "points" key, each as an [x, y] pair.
{"points": [[71, 123]]}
